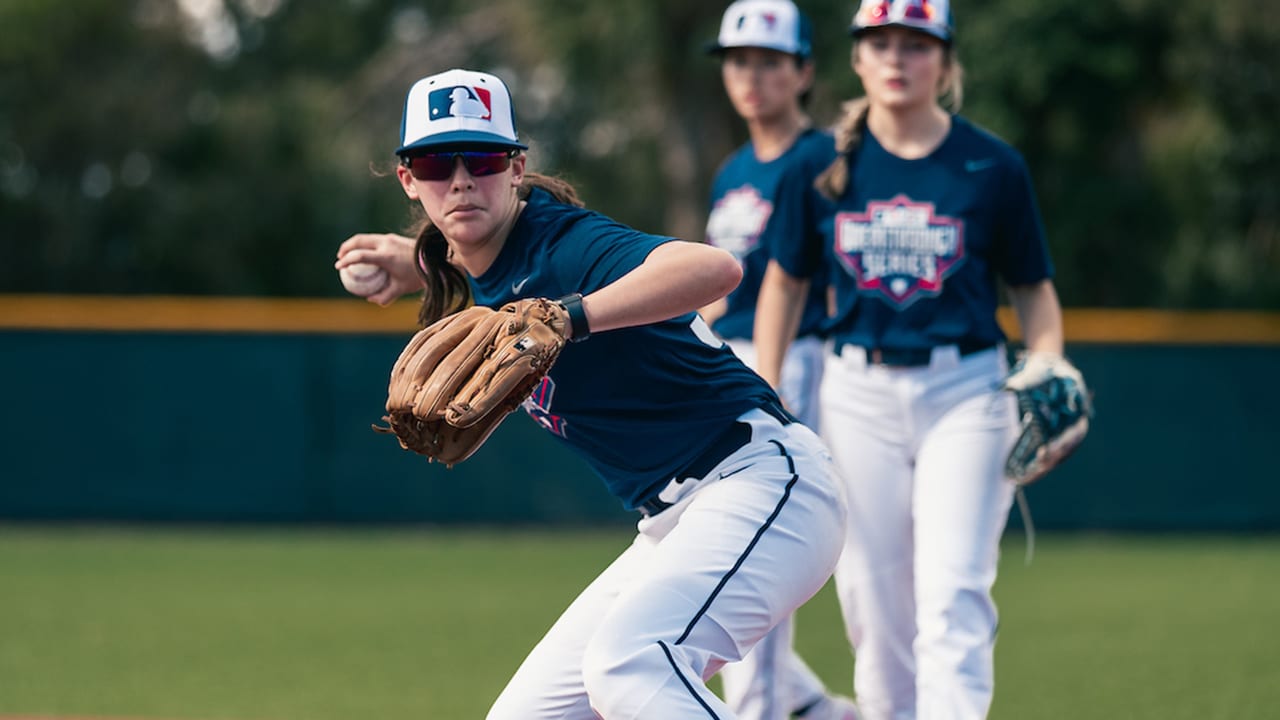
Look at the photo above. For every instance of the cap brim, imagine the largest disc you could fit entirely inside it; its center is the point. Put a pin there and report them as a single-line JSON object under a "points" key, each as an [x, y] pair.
{"points": [[855, 31], [461, 137], [715, 48]]}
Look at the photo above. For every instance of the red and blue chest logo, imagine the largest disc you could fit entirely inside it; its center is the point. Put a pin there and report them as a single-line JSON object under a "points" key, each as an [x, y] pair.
{"points": [[736, 221], [899, 250]]}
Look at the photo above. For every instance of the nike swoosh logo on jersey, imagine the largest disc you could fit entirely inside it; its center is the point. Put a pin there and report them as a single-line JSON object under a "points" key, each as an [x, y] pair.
{"points": [[516, 287], [977, 165]]}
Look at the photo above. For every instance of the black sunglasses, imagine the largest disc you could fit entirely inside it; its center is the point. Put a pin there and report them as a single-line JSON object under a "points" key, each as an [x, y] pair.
{"points": [[439, 166]]}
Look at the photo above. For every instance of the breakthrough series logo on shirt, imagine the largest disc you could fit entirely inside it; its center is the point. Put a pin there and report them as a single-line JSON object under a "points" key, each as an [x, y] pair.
{"points": [[899, 248]]}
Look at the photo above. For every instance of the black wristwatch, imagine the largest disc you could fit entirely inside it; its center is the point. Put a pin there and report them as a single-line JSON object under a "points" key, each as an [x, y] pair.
{"points": [[577, 316]]}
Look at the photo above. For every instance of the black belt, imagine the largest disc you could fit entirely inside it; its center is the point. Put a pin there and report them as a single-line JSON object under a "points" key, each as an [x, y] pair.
{"points": [[726, 444], [911, 357]]}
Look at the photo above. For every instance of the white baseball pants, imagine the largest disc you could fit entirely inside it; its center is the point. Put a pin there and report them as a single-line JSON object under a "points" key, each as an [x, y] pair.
{"points": [[702, 582], [772, 680], [922, 453]]}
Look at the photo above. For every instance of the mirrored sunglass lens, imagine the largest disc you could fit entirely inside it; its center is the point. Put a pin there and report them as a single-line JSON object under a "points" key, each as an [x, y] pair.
{"points": [[439, 166], [431, 167], [488, 163]]}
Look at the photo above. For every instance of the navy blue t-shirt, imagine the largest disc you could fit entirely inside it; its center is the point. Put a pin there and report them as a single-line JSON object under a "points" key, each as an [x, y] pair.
{"points": [[742, 221], [914, 247], [638, 403]]}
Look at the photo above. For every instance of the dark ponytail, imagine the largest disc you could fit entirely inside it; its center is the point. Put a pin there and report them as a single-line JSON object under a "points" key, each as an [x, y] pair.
{"points": [[447, 289]]}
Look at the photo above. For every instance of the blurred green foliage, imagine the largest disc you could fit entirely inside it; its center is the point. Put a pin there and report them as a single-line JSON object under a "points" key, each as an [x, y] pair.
{"points": [[228, 146]]}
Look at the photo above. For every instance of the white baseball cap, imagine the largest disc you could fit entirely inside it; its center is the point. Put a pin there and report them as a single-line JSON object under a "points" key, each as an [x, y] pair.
{"points": [[456, 107], [770, 24]]}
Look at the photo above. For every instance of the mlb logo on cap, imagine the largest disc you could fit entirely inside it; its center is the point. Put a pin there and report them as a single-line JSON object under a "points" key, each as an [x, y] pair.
{"points": [[458, 107], [770, 24], [460, 101]]}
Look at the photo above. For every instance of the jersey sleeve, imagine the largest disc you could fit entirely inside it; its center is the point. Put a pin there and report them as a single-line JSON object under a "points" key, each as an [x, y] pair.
{"points": [[1022, 250], [793, 235], [597, 251]]}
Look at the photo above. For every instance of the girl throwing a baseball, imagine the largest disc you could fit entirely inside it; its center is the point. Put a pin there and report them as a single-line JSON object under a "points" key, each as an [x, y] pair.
{"points": [[740, 518]]}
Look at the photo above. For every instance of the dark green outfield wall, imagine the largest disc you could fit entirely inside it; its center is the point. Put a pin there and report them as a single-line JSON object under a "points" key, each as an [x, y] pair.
{"points": [[250, 427]]}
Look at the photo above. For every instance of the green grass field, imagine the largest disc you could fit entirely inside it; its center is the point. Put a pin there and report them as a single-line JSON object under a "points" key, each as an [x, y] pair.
{"points": [[253, 624]]}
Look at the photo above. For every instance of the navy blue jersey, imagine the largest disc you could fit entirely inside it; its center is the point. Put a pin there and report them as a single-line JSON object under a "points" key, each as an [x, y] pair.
{"points": [[743, 222], [638, 403], [914, 247]]}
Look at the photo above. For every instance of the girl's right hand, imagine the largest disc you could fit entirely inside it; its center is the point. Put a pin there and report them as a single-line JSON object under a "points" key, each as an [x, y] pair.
{"points": [[391, 252]]}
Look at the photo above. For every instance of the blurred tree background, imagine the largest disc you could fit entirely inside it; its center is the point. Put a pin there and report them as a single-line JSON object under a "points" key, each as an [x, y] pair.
{"points": [[226, 147]]}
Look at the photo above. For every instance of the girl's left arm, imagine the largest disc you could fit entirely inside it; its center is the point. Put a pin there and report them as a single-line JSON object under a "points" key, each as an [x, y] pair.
{"points": [[676, 278], [1039, 316]]}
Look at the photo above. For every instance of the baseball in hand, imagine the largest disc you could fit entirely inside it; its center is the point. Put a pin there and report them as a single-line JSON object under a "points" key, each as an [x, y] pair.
{"points": [[363, 279]]}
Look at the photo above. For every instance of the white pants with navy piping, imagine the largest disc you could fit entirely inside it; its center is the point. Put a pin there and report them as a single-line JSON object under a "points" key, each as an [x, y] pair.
{"points": [[702, 582], [922, 452], [772, 681]]}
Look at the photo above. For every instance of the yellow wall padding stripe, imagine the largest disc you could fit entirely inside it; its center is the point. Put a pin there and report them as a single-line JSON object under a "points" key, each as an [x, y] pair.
{"points": [[1163, 327], [158, 313]]}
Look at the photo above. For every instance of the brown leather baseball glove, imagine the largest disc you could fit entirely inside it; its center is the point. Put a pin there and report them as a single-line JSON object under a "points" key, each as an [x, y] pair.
{"points": [[458, 378]]}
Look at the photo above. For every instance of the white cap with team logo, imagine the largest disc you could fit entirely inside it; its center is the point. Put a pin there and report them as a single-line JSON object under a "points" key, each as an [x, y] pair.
{"points": [[458, 107], [770, 24]]}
